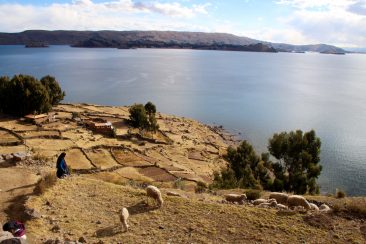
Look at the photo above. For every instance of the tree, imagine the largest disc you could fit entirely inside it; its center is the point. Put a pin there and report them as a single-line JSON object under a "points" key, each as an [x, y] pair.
{"points": [[143, 116], [54, 90], [151, 111], [245, 169], [138, 117], [298, 166], [24, 94]]}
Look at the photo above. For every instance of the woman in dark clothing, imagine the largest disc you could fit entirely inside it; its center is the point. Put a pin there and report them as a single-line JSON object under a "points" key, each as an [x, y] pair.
{"points": [[62, 169]]}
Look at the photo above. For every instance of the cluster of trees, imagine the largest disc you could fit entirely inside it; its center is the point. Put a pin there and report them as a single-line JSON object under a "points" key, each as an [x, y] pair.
{"points": [[24, 94], [143, 117], [295, 170]]}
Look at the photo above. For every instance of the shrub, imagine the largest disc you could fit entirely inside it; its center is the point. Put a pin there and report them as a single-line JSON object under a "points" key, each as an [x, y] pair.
{"points": [[200, 187], [340, 193], [45, 183], [253, 194], [357, 206], [179, 184]]}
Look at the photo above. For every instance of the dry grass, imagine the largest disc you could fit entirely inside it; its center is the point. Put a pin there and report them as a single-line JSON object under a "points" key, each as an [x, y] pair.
{"points": [[45, 183], [88, 208]]}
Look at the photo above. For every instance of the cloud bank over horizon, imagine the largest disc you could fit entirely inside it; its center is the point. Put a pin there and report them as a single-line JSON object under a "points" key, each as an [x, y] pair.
{"points": [[336, 22]]}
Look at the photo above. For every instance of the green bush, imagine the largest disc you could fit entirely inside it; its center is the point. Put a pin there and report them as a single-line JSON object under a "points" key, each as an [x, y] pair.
{"points": [[340, 193], [138, 117], [253, 194], [24, 94], [200, 187]]}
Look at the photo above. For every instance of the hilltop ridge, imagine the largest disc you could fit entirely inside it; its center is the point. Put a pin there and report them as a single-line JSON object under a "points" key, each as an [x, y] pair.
{"points": [[169, 39]]}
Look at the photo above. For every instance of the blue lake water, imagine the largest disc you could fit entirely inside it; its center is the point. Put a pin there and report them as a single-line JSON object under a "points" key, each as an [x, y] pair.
{"points": [[256, 94]]}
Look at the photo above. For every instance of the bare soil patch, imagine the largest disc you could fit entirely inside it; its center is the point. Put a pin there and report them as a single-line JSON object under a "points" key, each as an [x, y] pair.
{"points": [[157, 174]]}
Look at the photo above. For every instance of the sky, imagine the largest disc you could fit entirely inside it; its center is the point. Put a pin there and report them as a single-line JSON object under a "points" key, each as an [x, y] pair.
{"points": [[336, 22]]}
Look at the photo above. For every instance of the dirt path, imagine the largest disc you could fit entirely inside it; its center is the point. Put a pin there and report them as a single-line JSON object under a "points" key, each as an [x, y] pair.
{"points": [[15, 185]]}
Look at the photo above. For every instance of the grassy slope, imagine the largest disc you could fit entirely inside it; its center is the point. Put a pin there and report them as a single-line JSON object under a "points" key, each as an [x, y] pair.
{"points": [[87, 207]]}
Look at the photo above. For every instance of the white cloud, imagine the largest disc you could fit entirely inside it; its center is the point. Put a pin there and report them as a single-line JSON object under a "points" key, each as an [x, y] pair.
{"points": [[85, 14], [337, 22]]}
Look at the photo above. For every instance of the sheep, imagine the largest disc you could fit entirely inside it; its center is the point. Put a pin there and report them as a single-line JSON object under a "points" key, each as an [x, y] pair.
{"points": [[259, 201], [314, 207], [324, 208], [233, 198], [280, 197], [296, 200], [281, 206], [264, 205], [123, 217], [154, 192], [268, 204]]}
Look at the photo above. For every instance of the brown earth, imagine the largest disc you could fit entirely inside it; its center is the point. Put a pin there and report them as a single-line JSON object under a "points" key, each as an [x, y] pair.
{"points": [[108, 172]]}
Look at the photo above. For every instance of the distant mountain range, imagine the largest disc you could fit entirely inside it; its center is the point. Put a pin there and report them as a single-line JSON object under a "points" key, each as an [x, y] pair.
{"points": [[156, 39]]}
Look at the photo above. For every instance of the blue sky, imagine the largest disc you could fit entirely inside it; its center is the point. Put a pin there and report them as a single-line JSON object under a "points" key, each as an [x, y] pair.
{"points": [[337, 22]]}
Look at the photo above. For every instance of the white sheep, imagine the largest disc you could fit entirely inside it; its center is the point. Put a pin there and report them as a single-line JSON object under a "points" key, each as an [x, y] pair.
{"points": [[279, 196], [268, 204], [235, 198], [281, 206], [154, 192], [259, 201], [314, 207], [123, 216], [296, 200], [324, 208]]}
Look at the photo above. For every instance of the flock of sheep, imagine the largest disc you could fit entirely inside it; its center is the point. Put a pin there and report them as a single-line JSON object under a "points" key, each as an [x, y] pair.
{"points": [[279, 200], [276, 199]]}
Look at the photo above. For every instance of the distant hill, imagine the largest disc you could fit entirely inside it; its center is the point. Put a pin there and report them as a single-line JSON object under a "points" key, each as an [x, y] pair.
{"points": [[159, 39]]}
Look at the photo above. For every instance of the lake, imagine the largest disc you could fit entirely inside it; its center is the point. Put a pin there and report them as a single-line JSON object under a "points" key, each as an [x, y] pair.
{"points": [[254, 94]]}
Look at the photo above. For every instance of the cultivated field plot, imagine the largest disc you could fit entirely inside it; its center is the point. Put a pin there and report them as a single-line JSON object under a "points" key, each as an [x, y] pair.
{"points": [[12, 149], [132, 174], [77, 160], [61, 126], [195, 155], [49, 144], [16, 125], [101, 158], [63, 115], [39, 133], [78, 134], [7, 138], [70, 108], [128, 158], [109, 110], [157, 174], [188, 176]]}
